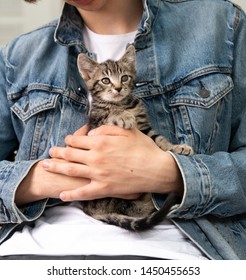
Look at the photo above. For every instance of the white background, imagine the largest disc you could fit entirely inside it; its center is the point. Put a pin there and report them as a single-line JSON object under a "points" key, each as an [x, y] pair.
{"points": [[17, 16], [121, 270], [242, 3]]}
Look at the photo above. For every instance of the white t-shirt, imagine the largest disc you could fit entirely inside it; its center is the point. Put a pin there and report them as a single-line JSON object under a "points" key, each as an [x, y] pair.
{"points": [[107, 46], [66, 230]]}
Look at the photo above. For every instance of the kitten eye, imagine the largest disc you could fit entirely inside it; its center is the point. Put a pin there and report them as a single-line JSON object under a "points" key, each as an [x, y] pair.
{"points": [[106, 81], [124, 78]]}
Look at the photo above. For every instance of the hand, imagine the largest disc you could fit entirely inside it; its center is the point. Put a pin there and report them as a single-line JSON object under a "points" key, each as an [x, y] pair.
{"points": [[40, 184], [117, 162]]}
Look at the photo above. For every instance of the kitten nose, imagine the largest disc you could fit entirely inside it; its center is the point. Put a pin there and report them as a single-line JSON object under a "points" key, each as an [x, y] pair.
{"points": [[118, 89]]}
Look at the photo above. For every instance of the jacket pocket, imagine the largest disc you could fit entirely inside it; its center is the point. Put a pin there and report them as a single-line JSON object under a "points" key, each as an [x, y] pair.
{"points": [[34, 119], [34, 103], [203, 92], [199, 109]]}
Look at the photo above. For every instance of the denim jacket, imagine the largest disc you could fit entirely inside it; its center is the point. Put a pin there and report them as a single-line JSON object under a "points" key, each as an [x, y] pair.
{"points": [[191, 75]]}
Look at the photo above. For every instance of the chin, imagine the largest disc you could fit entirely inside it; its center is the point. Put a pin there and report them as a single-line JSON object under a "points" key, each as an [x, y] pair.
{"points": [[87, 5]]}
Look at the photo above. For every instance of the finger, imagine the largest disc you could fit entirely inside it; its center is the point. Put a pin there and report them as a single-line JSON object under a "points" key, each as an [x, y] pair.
{"points": [[87, 192], [70, 154], [109, 130], [93, 191], [82, 131], [97, 142], [70, 169], [78, 141], [79, 194]]}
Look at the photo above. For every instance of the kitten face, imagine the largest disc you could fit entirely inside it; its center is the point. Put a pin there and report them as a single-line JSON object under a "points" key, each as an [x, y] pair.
{"points": [[110, 81]]}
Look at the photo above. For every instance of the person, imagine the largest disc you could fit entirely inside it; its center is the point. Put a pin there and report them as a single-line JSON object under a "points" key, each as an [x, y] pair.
{"points": [[191, 77]]}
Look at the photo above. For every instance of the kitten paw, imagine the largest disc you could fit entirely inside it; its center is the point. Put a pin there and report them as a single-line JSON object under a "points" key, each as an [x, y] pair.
{"points": [[182, 149], [126, 121]]}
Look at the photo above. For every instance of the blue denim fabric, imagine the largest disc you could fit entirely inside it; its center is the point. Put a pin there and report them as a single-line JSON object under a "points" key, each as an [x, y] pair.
{"points": [[191, 77]]}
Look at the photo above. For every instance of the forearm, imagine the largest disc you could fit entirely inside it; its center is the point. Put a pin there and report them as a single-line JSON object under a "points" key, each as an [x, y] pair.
{"points": [[33, 186], [25, 187], [11, 174]]}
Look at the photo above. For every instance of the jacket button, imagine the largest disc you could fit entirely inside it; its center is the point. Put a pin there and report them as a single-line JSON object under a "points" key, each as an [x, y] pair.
{"points": [[80, 89], [204, 93]]}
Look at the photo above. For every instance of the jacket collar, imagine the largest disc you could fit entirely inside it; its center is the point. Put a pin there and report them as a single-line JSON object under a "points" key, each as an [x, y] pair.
{"points": [[69, 30]]}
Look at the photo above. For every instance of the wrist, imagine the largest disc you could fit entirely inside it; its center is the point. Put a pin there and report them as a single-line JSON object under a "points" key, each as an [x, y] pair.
{"points": [[30, 189], [172, 180]]}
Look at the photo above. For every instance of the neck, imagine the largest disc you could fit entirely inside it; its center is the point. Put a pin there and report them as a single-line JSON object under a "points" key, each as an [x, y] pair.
{"points": [[115, 17]]}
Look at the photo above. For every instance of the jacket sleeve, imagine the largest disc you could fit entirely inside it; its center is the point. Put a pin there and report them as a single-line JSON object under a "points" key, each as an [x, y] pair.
{"points": [[216, 184], [11, 173]]}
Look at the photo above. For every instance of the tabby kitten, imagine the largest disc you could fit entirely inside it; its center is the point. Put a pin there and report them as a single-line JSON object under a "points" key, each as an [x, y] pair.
{"points": [[112, 102]]}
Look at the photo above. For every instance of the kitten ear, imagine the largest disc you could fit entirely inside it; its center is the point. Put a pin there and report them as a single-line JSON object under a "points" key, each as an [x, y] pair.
{"points": [[86, 66], [129, 57]]}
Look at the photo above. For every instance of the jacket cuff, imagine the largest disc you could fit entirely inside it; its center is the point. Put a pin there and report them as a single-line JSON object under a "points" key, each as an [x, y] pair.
{"points": [[11, 175], [197, 187]]}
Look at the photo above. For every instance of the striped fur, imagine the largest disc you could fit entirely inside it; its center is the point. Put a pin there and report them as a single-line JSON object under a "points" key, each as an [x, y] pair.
{"points": [[112, 102]]}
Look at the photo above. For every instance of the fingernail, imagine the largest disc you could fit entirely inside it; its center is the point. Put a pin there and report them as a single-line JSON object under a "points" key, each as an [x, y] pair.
{"points": [[51, 150], [91, 132], [46, 164], [62, 196], [68, 139]]}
